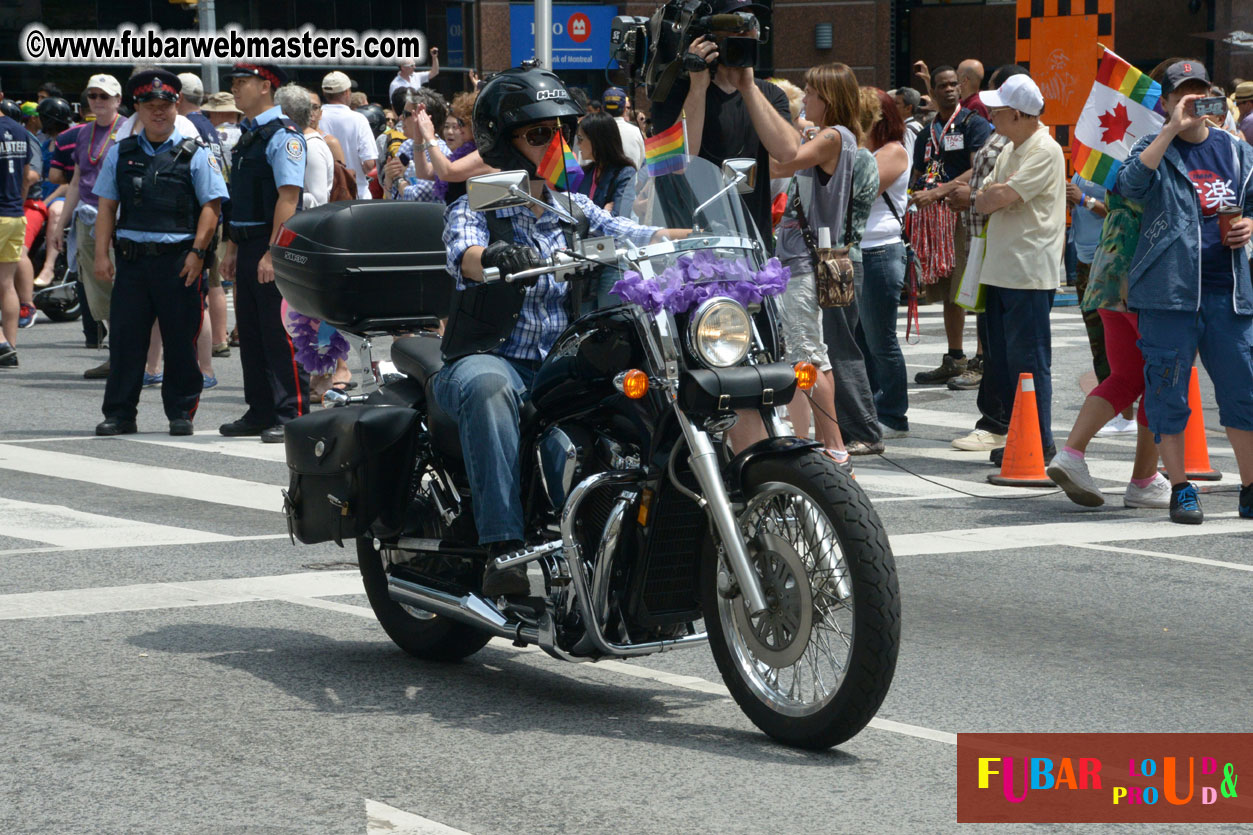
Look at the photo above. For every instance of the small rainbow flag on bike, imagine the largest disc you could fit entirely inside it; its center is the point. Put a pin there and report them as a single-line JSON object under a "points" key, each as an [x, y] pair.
{"points": [[559, 167], [1118, 112], [664, 152]]}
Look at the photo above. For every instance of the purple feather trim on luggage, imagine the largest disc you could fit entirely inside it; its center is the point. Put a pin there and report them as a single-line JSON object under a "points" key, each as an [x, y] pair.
{"points": [[694, 278]]}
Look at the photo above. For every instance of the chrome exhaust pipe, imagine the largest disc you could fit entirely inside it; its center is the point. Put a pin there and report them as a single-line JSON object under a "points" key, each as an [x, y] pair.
{"points": [[470, 609]]}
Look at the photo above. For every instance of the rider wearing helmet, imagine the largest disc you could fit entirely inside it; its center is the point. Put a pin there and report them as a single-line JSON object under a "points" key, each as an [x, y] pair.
{"points": [[498, 333]]}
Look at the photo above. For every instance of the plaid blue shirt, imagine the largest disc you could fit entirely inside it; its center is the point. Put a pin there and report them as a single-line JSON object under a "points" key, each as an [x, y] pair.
{"points": [[423, 191], [544, 315]]}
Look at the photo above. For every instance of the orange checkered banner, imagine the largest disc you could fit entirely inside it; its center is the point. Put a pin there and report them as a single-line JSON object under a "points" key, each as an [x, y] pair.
{"points": [[1059, 41]]}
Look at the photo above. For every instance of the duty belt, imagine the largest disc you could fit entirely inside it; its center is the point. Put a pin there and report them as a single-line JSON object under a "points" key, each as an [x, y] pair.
{"points": [[133, 250], [239, 234]]}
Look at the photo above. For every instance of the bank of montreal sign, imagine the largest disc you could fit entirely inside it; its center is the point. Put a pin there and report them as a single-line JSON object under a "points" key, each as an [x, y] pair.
{"points": [[580, 35]]}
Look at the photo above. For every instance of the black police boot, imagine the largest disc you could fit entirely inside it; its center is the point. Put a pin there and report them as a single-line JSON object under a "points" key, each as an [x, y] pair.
{"points": [[181, 426], [504, 582], [116, 426], [241, 428]]}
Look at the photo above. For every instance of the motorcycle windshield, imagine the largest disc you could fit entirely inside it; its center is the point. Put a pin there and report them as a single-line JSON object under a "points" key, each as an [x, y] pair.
{"points": [[722, 256]]}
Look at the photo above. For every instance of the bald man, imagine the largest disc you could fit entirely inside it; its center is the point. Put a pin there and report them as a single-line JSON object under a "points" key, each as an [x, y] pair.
{"points": [[970, 80]]}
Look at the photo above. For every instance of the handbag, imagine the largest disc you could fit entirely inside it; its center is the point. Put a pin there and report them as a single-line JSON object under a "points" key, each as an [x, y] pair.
{"points": [[833, 266]]}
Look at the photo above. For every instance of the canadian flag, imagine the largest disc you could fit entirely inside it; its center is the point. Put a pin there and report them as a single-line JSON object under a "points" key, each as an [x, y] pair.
{"points": [[1113, 119]]}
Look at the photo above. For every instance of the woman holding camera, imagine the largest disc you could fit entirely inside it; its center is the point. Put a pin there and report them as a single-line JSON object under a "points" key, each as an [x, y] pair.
{"points": [[823, 187]]}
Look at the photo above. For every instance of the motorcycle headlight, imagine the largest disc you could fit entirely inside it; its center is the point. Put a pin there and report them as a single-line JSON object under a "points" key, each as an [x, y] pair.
{"points": [[720, 332]]}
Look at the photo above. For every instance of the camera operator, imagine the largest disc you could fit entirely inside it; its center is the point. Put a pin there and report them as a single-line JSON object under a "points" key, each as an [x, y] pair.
{"points": [[729, 112]]}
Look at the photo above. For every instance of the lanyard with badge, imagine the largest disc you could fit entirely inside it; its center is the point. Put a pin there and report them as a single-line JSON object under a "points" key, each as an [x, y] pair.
{"points": [[936, 145]]}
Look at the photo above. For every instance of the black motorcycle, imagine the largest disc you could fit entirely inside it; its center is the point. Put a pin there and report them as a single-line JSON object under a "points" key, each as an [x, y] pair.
{"points": [[645, 532]]}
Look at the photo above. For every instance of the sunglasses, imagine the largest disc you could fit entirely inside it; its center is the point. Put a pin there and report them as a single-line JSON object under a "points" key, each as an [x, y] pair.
{"points": [[541, 135], [99, 96]]}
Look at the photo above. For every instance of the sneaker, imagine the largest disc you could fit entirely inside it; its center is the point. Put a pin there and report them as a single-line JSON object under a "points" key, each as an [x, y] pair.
{"points": [[890, 434], [8, 355], [209, 381], [1118, 426], [949, 368], [1185, 506], [844, 465], [28, 315], [151, 380], [1155, 494], [1246, 501], [980, 440], [222, 349], [1071, 474], [970, 378]]}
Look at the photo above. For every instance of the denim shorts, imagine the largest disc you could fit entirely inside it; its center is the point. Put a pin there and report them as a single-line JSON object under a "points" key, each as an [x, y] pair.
{"points": [[1169, 341]]}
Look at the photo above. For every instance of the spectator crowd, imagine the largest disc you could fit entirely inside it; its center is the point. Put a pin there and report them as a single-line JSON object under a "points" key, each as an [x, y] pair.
{"points": [[955, 194]]}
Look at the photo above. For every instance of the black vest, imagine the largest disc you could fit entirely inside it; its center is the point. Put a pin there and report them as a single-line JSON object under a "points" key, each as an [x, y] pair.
{"points": [[157, 193], [482, 316], [253, 189]]}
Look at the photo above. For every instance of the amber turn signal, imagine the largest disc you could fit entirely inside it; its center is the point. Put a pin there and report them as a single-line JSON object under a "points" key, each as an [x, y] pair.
{"points": [[806, 375], [634, 384]]}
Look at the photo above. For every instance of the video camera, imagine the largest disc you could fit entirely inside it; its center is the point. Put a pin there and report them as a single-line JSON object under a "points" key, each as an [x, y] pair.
{"points": [[666, 36]]}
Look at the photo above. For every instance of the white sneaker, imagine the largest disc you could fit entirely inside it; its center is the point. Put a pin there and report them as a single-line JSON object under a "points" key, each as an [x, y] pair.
{"points": [[980, 440], [1071, 474], [1118, 426], [1156, 494], [889, 433]]}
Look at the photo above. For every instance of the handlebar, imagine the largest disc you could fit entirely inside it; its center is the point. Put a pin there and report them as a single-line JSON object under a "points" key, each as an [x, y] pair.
{"points": [[564, 262]]}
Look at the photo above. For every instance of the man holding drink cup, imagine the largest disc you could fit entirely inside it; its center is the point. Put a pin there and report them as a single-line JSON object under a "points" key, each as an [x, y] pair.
{"points": [[1189, 280]]}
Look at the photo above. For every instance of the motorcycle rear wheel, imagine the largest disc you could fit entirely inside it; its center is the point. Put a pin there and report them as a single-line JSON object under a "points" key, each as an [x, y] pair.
{"points": [[812, 670], [430, 637]]}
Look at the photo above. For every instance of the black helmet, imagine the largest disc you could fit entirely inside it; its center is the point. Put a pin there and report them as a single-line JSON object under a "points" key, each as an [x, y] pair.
{"points": [[513, 98], [55, 110], [374, 115], [13, 110]]}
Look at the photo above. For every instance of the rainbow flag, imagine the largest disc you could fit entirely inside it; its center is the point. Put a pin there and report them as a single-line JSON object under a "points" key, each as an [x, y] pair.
{"points": [[664, 152], [1118, 112], [559, 167]]}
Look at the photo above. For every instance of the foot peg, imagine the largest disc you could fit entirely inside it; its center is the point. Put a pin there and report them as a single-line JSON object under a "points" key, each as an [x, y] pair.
{"points": [[529, 554]]}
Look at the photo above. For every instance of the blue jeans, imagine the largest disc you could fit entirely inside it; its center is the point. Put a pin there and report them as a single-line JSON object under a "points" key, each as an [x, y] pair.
{"points": [[484, 393], [879, 299], [1169, 341], [1019, 341]]}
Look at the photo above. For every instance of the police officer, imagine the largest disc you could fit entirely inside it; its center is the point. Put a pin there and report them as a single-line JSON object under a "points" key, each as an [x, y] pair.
{"points": [[267, 177], [162, 193]]}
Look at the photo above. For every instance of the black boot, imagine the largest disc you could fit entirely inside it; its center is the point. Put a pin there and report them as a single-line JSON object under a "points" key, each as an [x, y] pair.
{"points": [[504, 582]]}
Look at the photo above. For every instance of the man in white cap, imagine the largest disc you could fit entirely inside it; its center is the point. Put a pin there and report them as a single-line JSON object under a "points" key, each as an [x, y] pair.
{"points": [[410, 77], [189, 103], [1026, 233], [104, 94], [350, 128]]}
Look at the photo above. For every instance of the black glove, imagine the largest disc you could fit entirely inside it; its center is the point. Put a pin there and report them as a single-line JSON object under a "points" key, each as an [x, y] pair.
{"points": [[511, 258]]}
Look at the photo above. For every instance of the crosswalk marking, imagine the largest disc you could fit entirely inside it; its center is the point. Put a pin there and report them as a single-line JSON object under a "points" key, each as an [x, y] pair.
{"points": [[73, 529]]}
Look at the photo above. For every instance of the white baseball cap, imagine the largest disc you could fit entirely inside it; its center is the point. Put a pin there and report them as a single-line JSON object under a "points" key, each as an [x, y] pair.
{"points": [[192, 86], [1018, 92], [105, 82], [336, 82]]}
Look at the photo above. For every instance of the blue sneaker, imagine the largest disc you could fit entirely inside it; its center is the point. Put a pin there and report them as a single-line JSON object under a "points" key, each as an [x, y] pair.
{"points": [[1185, 506], [27, 315], [151, 380], [1246, 501], [210, 382]]}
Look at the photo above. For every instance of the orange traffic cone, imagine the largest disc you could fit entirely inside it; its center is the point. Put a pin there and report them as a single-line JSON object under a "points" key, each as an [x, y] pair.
{"points": [[1195, 446], [1023, 464]]}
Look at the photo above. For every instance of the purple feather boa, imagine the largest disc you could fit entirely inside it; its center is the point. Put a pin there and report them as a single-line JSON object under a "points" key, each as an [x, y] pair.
{"points": [[319, 347], [692, 279]]}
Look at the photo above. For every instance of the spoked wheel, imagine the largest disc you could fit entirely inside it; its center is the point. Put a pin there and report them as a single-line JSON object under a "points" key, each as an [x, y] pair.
{"points": [[814, 668], [418, 632]]}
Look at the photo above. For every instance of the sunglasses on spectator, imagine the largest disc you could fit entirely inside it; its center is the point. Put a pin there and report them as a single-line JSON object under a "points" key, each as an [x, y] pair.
{"points": [[541, 135], [99, 96]]}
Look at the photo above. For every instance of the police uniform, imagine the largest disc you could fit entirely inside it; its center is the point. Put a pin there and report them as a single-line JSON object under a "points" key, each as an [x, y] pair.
{"points": [[270, 153], [160, 192]]}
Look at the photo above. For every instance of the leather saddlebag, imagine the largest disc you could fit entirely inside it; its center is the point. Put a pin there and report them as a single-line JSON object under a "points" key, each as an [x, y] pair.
{"points": [[350, 468]]}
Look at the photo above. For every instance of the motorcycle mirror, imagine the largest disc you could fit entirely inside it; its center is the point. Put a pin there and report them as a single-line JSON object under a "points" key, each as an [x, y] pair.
{"points": [[743, 168], [497, 191]]}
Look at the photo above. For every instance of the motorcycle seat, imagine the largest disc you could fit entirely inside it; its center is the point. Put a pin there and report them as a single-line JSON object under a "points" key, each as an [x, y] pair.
{"points": [[446, 433], [418, 357]]}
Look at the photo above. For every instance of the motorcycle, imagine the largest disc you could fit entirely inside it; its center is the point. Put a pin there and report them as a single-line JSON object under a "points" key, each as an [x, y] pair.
{"points": [[59, 300], [645, 532]]}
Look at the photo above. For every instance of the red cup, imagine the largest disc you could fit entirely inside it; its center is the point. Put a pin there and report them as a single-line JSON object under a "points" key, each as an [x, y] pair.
{"points": [[1227, 215]]}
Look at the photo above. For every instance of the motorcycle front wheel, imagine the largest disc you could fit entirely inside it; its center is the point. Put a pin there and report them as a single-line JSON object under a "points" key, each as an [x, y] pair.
{"points": [[812, 670], [422, 634]]}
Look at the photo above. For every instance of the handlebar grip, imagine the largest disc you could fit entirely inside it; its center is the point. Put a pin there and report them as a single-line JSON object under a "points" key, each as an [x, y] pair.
{"points": [[491, 274]]}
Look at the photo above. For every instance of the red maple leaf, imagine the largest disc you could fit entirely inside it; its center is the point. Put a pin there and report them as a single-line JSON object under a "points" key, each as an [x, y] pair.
{"points": [[1114, 124]]}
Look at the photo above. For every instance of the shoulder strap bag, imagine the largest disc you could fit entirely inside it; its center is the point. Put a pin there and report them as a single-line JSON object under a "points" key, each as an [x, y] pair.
{"points": [[833, 266]]}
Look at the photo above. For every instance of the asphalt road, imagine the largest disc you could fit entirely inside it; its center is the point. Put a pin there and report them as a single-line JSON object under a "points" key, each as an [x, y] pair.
{"points": [[170, 663]]}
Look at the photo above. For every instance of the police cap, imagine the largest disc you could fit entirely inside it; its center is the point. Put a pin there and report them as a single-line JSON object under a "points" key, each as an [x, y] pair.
{"points": [[154, 84], [270, 72]]}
